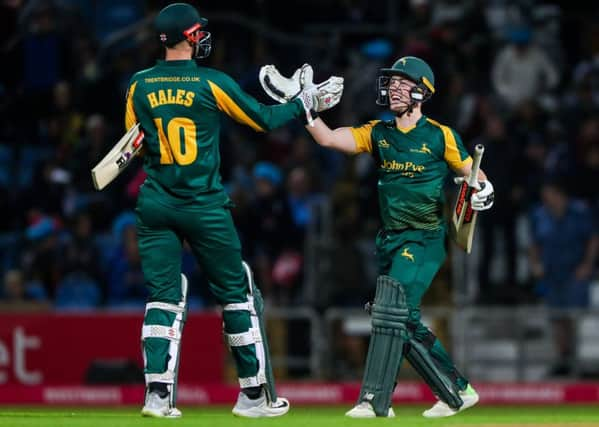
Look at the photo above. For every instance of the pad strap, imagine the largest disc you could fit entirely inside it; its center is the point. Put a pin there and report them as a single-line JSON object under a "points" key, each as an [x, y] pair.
{"points": [[160, 331], [165, 377], [256, 381], [173, 308], [242, 306], [245, 338]]}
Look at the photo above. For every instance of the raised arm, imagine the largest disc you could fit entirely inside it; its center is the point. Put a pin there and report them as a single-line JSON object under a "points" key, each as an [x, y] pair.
{"points": [[341, 139], [245, 109]]}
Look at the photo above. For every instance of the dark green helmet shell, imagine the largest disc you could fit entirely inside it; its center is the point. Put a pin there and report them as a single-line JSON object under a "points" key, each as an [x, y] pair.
{"points": [[414, 69], [175, 20]]}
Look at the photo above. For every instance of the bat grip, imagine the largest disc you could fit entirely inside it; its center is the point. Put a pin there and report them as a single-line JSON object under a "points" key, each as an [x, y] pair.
{"points": [[478, 155]]}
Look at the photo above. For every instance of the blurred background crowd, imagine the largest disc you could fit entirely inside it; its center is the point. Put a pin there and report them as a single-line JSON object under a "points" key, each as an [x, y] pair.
{"points": [[521, 77]]}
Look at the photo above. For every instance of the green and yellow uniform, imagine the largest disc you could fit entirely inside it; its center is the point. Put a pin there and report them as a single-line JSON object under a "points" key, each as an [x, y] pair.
{"points": [[179, 105], [413, 165]]}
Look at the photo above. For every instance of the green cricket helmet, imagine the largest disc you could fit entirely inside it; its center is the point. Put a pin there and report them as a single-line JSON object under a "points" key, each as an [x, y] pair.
{"points": [[181, 21], [412, 68]]}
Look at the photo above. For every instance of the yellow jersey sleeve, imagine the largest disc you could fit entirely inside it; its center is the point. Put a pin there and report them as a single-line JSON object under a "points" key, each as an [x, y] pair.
{"points": [[363, 136], [130, 116], [455, 153]]}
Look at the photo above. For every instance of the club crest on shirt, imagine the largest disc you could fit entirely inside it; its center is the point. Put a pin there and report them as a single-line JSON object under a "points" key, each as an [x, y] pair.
{"points": [[407, 254], [383, 143], [424, 149]]}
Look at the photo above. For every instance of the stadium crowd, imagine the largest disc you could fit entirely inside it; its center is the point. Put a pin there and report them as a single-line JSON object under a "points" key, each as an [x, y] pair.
{"points": [[521, 77]]}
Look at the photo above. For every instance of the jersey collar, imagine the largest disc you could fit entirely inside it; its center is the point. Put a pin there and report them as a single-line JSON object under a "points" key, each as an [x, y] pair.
{"points": [[190, 63], [420, 122]]}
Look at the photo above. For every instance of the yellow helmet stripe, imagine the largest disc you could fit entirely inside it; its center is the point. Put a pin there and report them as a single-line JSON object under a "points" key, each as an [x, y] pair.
{"points": [[428, 84]]}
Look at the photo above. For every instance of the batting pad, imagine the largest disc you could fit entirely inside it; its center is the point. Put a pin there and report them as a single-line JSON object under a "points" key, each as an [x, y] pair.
{"points": [[255, 336], [164, 321], [385, 351], [424, 363]]}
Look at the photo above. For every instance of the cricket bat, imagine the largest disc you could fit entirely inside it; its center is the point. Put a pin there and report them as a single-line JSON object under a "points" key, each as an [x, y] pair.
{"points": [[118, 158], [464, 217]]}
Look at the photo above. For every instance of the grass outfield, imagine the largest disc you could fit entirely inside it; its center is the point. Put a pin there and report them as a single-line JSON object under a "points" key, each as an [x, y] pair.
{"points": [[407, 416]]}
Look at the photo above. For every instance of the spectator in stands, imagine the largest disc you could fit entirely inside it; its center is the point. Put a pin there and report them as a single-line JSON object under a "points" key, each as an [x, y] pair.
{"points": [[563, 253], [81, 254], [273, 230], [18, 295], [522, 71], [42, 259], [126, 285], [500, 150]]}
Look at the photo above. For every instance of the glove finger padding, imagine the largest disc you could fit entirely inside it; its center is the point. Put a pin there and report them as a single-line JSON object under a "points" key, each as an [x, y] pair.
{"points": [[483, 199], [306, 76], [328, 93], [279, 88]]}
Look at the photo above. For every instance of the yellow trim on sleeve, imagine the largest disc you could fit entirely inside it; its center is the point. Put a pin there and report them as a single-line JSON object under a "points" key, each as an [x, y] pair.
{"points": [[363, 136], [230, 108], [130, 116], [452, 154]]}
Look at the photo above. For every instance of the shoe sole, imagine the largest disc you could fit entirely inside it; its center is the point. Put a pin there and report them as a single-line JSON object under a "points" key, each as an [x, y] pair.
{"points": [[360, 415], [465, 406], [255, 413], [390, 414], [152, 414], [250, 414]]}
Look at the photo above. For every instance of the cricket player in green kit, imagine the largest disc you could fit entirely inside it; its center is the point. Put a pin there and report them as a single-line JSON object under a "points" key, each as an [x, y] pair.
{"points": [[414, 154], [178, 104]]}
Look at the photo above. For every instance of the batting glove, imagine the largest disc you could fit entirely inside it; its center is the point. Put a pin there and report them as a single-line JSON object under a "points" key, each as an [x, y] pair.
{"points": [[484, 196]]}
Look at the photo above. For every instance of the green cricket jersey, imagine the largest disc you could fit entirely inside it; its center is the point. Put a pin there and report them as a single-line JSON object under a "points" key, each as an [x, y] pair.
{"points": [[412, 166], [178, 104]]}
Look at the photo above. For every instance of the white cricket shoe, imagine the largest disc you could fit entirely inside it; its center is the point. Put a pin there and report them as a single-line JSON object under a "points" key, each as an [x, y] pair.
{"points": [[159, 407], [441, 409], [365, 410], [260, 407]]}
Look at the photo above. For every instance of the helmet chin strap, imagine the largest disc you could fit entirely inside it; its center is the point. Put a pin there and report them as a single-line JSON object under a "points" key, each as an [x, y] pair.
{"points": [[407, 110]]}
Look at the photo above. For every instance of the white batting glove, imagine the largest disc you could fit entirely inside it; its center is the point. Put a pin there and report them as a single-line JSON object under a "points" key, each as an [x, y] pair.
{"points": [[324, 95], [318, 97], [483, 198], [314, 97], [279, 88]]}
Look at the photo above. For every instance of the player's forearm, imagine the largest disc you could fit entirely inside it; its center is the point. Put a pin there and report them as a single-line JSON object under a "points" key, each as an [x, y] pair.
{"points": [[339, 139], [465, 171], [275, 116], [321, 133], [481, 175]]}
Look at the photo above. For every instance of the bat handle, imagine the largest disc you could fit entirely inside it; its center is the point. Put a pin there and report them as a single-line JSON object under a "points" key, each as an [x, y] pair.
{"points": [[478, 155]]}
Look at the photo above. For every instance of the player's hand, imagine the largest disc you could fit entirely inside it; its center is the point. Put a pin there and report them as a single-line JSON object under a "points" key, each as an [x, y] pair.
{"points": [[319, 96], [483, 199], [279, 88], [484, 196], [314, 97]]}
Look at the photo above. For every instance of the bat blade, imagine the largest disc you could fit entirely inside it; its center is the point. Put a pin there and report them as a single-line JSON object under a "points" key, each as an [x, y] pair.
{"points": [[118, 158], [464, 217]]}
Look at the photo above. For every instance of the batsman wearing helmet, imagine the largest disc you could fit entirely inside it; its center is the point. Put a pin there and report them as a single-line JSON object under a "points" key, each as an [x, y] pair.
{"points": [[178, 104], [413, 154]]}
